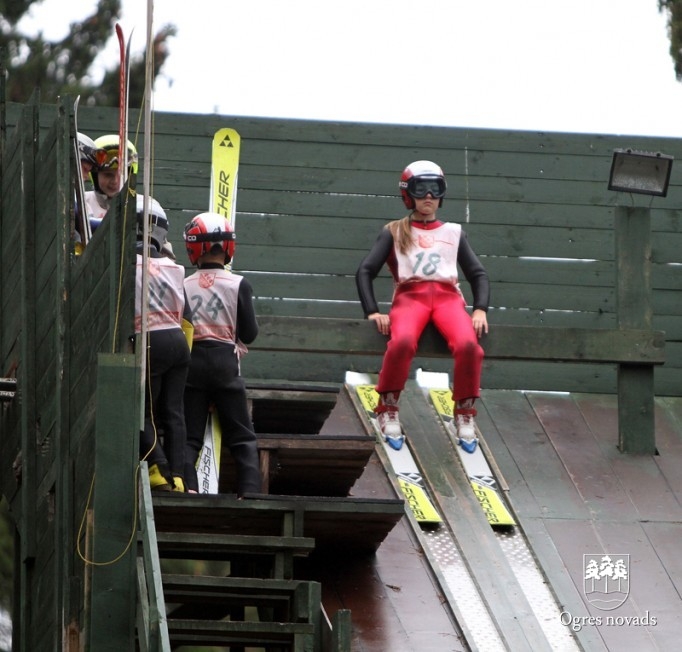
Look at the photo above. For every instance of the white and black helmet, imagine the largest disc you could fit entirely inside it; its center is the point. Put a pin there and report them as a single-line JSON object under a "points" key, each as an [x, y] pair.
{"points": [[419, 179], [88, 151], [158, 222]]}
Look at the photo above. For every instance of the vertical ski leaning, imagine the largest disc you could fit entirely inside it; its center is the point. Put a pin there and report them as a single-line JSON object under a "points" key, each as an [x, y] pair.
{"points": [[208, 463], [123, 87], [480, 475], [82, 223], [223, 200], [407, 472], [224, 172]]}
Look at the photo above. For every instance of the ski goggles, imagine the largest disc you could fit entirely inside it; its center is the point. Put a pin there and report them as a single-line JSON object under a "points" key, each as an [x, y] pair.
{"points": [[418, 188], [95, 156], [109, 159]]}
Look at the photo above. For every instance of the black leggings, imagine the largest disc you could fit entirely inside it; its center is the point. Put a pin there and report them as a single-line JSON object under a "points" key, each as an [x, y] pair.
{"points": [[214, 378], [167, 367]]}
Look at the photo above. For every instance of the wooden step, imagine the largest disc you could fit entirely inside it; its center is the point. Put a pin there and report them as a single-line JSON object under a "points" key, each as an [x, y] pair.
{"points": [[305, 465], [298, 637], [180, 545], [202, 597], [346, 523], [276, 552]]}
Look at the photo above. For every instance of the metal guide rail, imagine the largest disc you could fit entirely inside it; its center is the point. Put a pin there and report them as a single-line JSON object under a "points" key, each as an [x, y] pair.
{"points": [[463, 583]]}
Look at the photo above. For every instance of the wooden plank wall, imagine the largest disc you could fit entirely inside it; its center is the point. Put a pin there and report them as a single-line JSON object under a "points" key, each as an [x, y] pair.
{"points": [[58, 313], [312, 197]]}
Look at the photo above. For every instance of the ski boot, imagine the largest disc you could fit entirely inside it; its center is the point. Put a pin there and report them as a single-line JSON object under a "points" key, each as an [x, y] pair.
{"points": [[388, 420], [464, 422]]}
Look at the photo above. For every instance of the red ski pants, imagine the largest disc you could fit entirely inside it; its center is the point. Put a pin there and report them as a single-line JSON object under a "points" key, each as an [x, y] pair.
{"points": [[414, 305]]}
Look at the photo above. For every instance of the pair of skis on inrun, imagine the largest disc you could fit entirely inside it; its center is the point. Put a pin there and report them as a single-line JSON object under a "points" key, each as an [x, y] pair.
{"points": [[479, 473]]}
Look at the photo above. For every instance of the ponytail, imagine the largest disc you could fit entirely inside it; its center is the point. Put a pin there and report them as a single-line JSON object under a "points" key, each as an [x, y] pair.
{"points": [[401, 232]]}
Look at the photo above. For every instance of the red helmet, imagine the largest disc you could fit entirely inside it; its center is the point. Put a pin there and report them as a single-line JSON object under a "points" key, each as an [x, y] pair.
{"points": [[419, 179], [209, 232]]}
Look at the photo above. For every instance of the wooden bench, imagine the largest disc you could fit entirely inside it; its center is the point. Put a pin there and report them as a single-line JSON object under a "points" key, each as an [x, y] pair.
{"points": [[634, 351]]}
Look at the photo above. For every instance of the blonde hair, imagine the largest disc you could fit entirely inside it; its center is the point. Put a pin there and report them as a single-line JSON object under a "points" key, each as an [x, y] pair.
{"points": [[401, 232]]}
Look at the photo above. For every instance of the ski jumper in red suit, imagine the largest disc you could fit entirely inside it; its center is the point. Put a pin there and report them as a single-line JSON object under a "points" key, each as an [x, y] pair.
{"points": [[426, 288]]}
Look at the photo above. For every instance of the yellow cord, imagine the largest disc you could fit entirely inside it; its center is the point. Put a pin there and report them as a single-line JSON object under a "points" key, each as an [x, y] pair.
{"points": [[133, 533]]}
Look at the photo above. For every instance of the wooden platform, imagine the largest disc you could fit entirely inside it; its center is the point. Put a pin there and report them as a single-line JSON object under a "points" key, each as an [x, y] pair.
{"points": [[575, 494]]}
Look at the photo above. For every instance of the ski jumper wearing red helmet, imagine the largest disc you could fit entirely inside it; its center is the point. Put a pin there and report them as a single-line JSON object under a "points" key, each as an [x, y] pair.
{"points": [[423, 255], [224, 321]]}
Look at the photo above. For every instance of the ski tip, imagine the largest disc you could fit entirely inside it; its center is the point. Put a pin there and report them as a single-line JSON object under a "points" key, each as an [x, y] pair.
{"points": [[396, 443], [468, 446]]}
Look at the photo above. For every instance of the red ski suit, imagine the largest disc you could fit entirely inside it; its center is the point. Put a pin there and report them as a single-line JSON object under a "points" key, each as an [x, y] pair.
{"points": [[426, 289]]}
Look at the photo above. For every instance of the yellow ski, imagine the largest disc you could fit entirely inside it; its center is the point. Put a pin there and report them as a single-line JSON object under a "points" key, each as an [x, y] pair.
{"points": [[408, 474], [223, 200], [224, 173], [478, 470]]}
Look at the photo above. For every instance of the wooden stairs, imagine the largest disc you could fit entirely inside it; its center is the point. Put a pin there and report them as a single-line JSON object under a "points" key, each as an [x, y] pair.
{"points": [[216, 571]]}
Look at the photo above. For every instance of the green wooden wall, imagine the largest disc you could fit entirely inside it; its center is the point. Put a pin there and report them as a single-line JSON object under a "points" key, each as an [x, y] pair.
{"points": [[313, 196], [59, 313]]}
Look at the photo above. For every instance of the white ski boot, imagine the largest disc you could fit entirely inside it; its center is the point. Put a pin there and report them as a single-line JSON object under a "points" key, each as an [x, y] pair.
{"points": [[389, 421], [466, 428]]}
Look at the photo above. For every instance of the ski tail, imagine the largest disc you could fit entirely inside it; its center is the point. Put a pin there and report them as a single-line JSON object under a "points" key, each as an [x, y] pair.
{"points": [[224, 172], [483, 481], [81, 221], [224, 168], [208, 463], [123, 88]]}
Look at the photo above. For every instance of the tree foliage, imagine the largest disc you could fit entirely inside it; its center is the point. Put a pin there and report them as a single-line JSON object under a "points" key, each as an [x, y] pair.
{"points": [[65, 67], [673, 9]]}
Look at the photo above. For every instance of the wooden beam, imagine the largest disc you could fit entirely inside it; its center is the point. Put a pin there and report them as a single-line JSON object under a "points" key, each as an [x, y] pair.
{"points": [[504, 342], [632, 234]]}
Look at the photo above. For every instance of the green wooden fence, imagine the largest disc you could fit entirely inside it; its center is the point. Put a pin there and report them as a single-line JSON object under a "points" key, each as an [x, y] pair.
{"points": [[313, 196]]}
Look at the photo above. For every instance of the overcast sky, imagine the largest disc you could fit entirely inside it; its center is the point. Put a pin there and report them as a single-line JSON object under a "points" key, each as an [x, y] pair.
{"points": [[589, 66]]}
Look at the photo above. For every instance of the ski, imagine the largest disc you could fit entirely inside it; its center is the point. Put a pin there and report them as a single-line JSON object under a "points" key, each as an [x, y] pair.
{"points": [[479, 473], [222, 200], [208, 463], [123, 87], [403, 463], [82, 223], [224, 172]]}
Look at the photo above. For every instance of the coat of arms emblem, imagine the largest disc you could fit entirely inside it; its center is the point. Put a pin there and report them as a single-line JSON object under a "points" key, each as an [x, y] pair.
{"points": [[606, 580]]}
